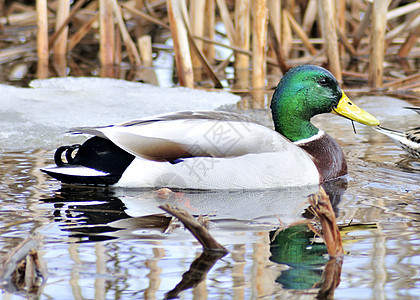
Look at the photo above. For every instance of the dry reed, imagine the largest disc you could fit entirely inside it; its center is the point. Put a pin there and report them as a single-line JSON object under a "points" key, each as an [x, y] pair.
{"points": [[336, 34]]}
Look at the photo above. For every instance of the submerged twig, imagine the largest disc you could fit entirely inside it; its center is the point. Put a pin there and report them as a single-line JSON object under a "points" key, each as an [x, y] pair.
{"points": [[199, 231], [330, 278], [199, 268], [197, 272], [23, 268]]}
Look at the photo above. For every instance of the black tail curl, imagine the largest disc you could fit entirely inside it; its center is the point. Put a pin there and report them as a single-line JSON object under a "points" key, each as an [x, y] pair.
{"points": [[69, 153], [96, 153]]}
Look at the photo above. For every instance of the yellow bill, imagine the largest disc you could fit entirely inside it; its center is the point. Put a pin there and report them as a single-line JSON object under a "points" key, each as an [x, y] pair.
{"points": [[349, 110]]}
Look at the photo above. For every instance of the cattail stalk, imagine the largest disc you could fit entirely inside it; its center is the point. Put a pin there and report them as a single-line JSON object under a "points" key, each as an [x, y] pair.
{"points": [[63, 12], [107, 33], [180, 40], [377, 43], [42, 39], [327, 17], [259, 44]]}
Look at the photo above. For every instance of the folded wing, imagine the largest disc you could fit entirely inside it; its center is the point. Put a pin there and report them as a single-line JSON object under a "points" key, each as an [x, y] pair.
{"points": [[173, 136]]}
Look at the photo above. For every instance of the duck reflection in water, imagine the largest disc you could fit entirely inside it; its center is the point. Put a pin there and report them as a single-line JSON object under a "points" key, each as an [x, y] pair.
{"points": [[307, 257], [101, 214], [96, 214]]}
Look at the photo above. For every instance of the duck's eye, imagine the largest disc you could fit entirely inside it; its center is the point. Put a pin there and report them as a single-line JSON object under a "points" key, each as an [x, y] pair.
{"points": [[323, 81]]}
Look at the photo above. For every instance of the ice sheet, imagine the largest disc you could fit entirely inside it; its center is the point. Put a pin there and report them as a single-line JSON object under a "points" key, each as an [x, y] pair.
{"points": [[37, 117]]}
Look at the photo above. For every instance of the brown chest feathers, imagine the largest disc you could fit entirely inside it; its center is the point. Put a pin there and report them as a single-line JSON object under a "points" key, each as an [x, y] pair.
{"points": [[327, 156]]}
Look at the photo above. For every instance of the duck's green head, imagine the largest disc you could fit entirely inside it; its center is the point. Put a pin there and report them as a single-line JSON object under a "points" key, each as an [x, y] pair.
{"points": [[306, 91]]}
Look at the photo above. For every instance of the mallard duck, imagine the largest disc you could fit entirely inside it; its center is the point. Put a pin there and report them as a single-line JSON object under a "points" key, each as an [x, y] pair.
{"points": [[220, 150], [408, 140]]}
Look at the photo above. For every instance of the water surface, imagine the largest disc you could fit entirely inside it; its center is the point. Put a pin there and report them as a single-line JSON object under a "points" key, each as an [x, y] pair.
{"points": [[100, 243]]}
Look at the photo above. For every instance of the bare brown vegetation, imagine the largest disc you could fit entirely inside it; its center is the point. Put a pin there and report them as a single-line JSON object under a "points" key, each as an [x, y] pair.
{"points": [[361, 42]]}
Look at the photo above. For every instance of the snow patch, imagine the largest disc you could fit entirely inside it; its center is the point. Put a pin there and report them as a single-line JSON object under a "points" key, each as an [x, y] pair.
{"points": [[37, 117]]}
